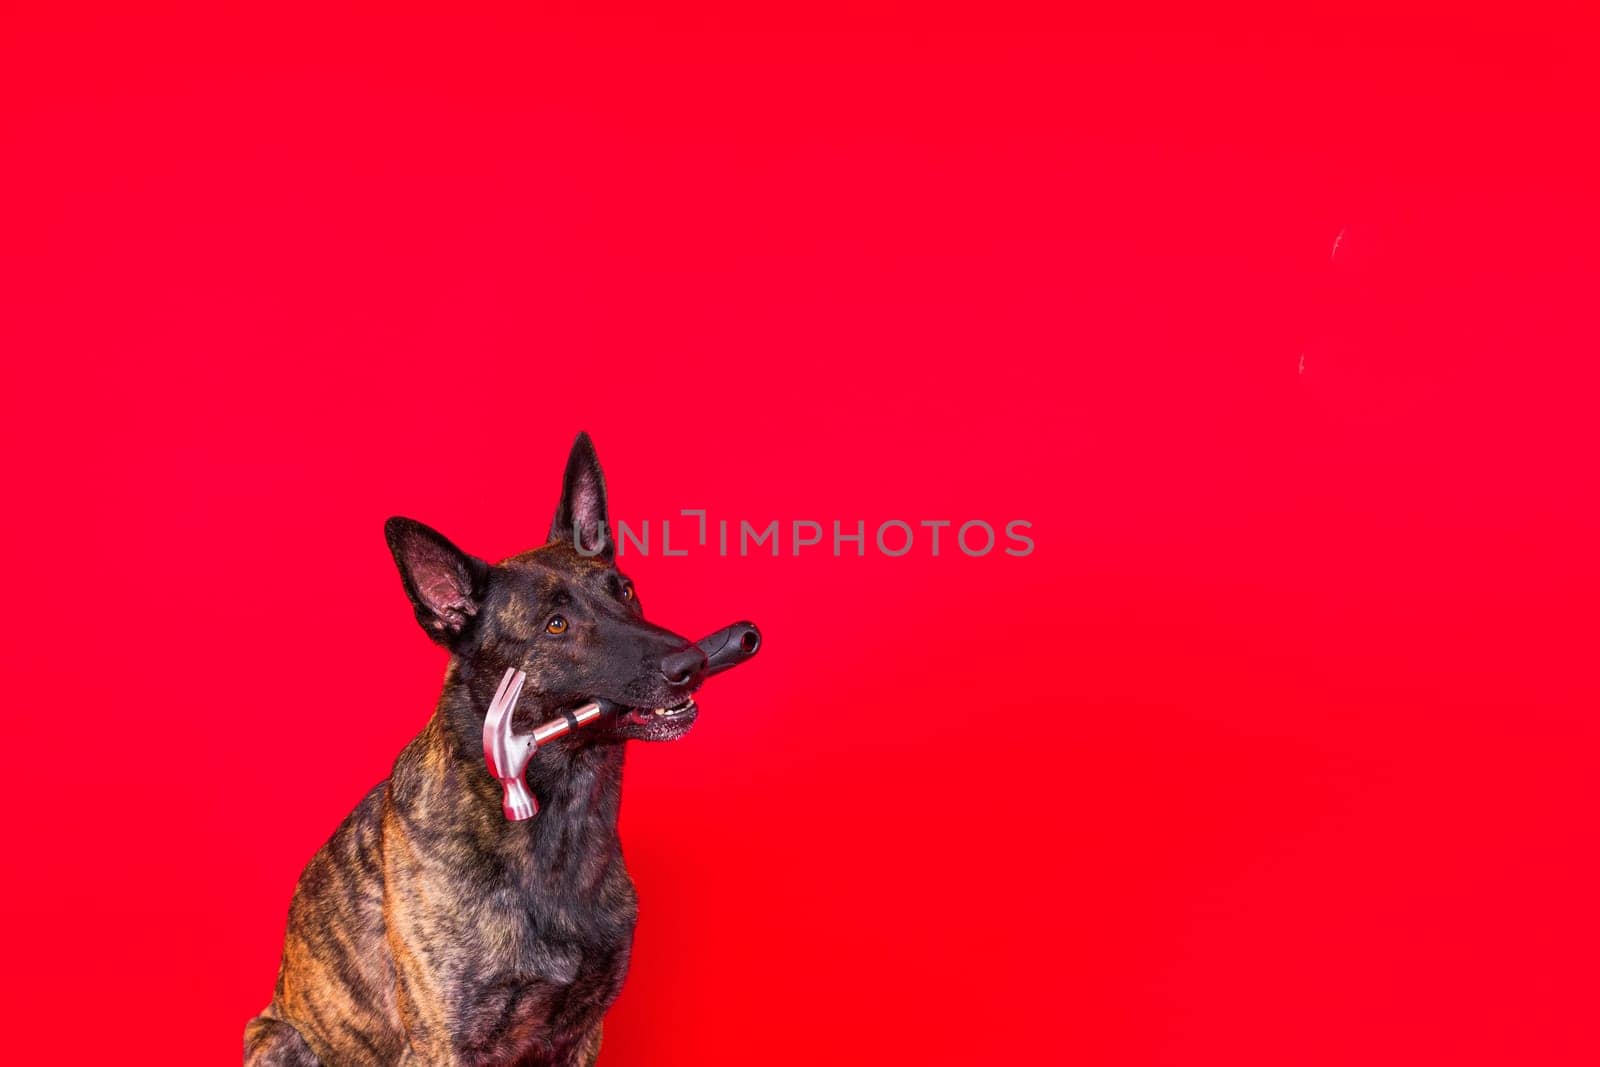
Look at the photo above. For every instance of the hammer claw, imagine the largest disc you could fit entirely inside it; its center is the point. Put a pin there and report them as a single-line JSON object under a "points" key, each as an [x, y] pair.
{"points": [[510, 689]]}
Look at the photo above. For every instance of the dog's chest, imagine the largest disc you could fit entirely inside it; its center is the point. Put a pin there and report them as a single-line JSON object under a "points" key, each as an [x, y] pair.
{"points": [[551, 963], [558, 934]]}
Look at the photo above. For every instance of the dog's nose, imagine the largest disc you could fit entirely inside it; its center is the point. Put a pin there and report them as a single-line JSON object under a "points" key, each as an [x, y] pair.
{"points": [[681, 668]]}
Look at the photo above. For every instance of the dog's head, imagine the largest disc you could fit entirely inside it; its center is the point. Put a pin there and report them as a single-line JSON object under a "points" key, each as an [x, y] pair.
{"points": [[563, 613]]}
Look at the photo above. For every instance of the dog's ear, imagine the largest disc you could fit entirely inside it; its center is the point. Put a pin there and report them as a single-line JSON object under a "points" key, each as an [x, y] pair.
{"points": [[446, 586], [581, 519]]}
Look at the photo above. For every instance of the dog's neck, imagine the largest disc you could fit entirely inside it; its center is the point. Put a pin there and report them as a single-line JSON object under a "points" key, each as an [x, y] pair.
{"points": [[577, 781]]}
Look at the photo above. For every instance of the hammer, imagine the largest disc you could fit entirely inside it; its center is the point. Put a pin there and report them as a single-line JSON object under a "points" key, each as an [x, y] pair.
{"points": [[507, 752]]}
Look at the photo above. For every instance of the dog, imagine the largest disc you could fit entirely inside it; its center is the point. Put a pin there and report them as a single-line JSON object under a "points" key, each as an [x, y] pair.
{"points": [[430, 929]]}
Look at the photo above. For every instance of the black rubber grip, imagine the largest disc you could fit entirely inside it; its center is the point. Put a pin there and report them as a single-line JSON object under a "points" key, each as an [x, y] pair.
{"points": [[729, 646]]}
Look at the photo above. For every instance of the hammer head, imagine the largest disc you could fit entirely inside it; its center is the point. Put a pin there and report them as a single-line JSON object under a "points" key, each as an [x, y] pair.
{"points": [[507, 753]]}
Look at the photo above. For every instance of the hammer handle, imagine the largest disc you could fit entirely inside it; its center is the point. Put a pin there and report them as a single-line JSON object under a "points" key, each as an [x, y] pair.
{"points": [[557, 727]]}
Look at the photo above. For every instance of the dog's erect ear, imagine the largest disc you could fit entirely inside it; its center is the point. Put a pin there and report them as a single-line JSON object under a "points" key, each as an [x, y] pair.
{"points": [[581, 518], [446, 586]]}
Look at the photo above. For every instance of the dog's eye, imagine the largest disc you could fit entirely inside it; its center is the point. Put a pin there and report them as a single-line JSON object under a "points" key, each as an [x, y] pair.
{"points": [[556, 625], [627, 590]]}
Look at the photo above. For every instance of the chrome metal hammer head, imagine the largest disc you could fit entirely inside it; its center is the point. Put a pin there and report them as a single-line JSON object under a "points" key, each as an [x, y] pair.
{"points": [[507, 752]]}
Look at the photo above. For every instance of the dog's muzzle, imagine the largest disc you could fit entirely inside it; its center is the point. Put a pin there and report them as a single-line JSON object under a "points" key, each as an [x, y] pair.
{"points": [[508, 753]]}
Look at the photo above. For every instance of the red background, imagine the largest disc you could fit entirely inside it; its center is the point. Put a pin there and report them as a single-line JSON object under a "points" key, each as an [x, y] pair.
{"points": [[1278, 749]]}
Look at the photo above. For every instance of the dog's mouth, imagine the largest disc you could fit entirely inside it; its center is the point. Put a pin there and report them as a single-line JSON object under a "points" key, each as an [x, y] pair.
{"points": [[656, 724], [649, 716]]}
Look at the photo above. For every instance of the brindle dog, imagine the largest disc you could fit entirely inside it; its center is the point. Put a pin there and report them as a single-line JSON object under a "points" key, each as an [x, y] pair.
{"points": [[432, 930]]}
